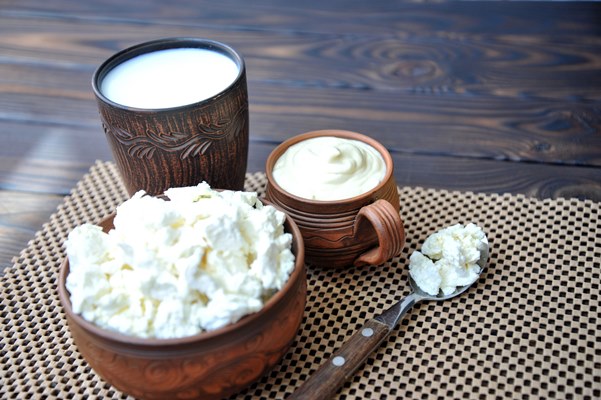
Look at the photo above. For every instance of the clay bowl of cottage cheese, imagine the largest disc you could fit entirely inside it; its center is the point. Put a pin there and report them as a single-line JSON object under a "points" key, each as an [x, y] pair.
{"points": [[196, 297]]}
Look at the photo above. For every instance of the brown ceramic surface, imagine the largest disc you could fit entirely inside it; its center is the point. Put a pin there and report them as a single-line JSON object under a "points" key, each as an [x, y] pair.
{"points": [[365, 229], [180, 146], [209, 365]]}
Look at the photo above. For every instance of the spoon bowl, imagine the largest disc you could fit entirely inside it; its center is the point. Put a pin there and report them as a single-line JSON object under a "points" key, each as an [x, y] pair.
{"points": [[343, 363], [482, 262]]}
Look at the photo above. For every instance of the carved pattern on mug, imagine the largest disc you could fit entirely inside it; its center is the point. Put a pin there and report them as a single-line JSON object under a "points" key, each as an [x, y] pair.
{"points": [[190, 145]]}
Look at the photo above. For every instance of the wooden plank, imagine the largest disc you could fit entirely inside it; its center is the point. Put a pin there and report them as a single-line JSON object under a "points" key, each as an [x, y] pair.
{"points": [[344, 16], [550, 64], [56, 166], [533, 130], [479, 175], [475, 127], [45, 155], [51, 85]]}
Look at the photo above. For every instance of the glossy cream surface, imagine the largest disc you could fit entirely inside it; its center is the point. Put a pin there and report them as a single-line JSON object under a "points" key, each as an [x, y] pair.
{"points": [[329, 168], [169, 78]]}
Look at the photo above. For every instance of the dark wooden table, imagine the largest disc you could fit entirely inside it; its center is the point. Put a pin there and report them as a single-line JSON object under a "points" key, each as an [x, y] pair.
{"points": [[470, 96]]}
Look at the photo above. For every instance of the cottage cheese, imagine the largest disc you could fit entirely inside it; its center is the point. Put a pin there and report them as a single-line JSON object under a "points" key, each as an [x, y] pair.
{"points": [[176, 268], [449, 258]]}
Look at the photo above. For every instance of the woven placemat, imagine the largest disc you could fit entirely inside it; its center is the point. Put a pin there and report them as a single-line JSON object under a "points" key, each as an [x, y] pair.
{"points": [[530, 328]]}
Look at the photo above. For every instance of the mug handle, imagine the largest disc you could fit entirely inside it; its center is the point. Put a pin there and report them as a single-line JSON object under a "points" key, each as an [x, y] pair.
{"points": [[386, 221]]}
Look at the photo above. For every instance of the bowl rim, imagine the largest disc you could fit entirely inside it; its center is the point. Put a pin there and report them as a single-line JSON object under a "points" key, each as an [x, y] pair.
{"points": [[297, 273], [340, 133]]}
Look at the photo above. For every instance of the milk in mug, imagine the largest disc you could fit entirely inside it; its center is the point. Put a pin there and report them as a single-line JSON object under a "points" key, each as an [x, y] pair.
{"points": [[169, 78]]}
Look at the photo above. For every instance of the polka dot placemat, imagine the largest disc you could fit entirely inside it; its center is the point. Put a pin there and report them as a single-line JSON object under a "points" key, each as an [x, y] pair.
{"points": [[530, 328]]}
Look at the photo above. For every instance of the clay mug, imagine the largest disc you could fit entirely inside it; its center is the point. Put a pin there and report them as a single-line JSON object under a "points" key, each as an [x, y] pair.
{"points": [[365, 229], [158, 145]]}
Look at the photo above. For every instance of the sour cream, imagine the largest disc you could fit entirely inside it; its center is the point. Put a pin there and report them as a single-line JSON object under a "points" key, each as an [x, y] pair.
{"points": [[329, 168]]}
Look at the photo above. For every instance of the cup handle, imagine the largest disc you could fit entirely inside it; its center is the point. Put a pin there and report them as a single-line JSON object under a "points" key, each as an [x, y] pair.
{"points": [[384, 218]]}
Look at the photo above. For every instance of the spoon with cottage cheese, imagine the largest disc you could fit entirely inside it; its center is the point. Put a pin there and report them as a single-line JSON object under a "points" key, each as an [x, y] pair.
{"points": [[450, 261]]}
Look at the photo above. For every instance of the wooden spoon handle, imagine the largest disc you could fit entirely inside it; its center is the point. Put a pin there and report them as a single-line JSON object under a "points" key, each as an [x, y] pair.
{"points": [[341, 366]]}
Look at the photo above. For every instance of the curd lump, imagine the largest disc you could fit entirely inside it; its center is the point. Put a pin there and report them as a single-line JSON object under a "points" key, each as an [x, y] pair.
{"points": [[176, 268], [449, 258], [329, 168]]}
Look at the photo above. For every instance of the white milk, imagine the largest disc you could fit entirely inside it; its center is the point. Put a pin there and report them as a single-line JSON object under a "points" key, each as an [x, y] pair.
{"points": [[169, 78]]}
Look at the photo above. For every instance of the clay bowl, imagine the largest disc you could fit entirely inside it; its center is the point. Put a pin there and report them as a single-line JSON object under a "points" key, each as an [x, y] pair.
{"points": [[210, 365], [366, 229]]}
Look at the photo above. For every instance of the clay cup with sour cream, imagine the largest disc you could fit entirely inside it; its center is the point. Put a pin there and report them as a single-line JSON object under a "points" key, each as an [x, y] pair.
{"points": [[339, 188]]}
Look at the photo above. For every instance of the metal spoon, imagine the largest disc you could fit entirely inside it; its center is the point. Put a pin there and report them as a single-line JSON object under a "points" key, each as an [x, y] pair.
{"points": [[341, 366]]}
